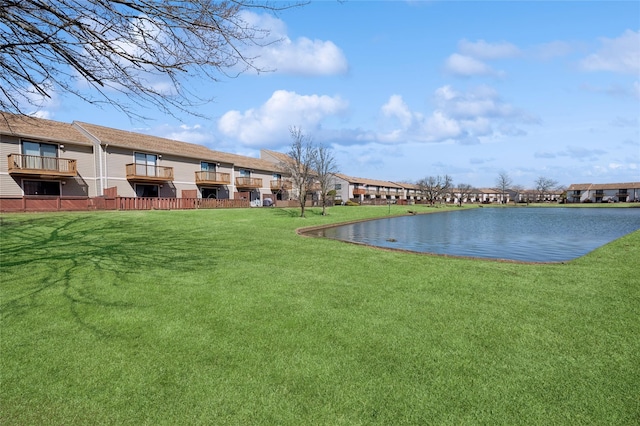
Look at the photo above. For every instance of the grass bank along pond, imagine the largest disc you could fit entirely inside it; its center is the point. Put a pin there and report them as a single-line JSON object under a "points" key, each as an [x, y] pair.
{"points": [[228, 317], [524, 234]]}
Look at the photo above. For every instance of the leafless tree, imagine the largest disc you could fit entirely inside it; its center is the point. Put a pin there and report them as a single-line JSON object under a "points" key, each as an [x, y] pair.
{"points": [[464, 192], [434, 187], [299, 165], [503, 183], [325, 168], [517, 190], [544, 186], [146, 50]]}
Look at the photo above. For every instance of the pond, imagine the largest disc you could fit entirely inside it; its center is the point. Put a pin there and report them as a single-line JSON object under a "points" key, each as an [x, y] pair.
{"points": [[523, 234]]}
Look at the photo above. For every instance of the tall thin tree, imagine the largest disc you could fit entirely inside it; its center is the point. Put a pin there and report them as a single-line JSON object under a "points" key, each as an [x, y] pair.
{"points": [[325, 167], [503, 183], [299, 165]]}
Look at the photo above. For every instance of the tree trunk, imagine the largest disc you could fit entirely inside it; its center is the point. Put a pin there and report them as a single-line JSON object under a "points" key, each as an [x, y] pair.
{"points": [[303, 201]]}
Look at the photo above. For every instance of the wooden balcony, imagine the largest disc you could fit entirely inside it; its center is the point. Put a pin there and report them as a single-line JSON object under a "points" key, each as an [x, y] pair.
{"points": [[377, 192], [281, 184], [359, 191], [21, 164], [247, 182], [212, 178], [149, 173]]}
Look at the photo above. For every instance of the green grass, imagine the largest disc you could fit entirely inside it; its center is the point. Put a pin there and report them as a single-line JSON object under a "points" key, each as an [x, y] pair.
{"points": [[229, 317]]}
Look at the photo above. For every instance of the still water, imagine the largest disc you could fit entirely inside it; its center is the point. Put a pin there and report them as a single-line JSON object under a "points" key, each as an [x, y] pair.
{"points": [[521, 234]]}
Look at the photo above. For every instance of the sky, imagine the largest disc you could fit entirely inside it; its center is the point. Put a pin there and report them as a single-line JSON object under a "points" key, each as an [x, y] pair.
{"points": [[403, 90]]}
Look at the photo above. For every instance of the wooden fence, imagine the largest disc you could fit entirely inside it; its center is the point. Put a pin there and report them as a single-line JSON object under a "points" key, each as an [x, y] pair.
{"points": [[142, 203], [66, 203]]}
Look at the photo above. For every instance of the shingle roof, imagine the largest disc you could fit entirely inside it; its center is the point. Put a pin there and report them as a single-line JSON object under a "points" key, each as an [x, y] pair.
{"points": [[275, 157], [406, 185], [623, 185], [41, 129], [579, 187], [139, 141], [370, 182], [594, 186]]}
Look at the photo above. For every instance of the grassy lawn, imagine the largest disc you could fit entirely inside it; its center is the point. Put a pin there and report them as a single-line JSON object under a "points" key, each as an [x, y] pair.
{"points": [[229, 317]]}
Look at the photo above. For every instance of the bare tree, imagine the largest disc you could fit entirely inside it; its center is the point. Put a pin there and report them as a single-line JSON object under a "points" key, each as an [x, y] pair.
{"points": [[434, 187], [544, 186], [517, 190], [146, 50], [325, 168], [503, 183], [299, 165], [464, 192]]}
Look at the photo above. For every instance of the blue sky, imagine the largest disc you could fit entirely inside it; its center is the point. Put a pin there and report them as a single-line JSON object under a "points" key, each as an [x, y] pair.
{"points": [[406, 90]]}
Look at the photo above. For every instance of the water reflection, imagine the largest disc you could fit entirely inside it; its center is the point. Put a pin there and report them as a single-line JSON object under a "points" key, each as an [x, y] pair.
{"points": [[522, 234]]}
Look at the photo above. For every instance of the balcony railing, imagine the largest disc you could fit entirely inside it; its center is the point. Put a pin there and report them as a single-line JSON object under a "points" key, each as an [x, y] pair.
{"points": [[37, 165], [278, 184], [247, 182], [212, 178], [359, 191], [378, 192], [149, 173]]}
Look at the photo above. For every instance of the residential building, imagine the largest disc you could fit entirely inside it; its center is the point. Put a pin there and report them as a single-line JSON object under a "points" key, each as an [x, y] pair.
{"points": [[603, 192], [45, 157], [81, 159], [367, 191]]}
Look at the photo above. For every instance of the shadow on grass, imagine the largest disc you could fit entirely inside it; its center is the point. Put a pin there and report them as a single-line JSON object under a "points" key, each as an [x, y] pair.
{"points": [[91, 263]]}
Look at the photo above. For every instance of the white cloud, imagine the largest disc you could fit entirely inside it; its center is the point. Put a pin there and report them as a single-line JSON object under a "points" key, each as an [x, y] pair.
{"points": [[302, 56], [466, 66], [483, 50], [440, 127], [462, 117], [619, 55], [267, 126], [483, 101], [469, 59], [196, 133], [192, 134], [397, 108]]}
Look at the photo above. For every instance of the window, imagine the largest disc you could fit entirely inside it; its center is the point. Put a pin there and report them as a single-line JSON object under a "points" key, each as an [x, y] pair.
{"points": [[207, 167], [338, 187], [245, 173], [39, 155], [146, 164], [209, 192], [147, 190], [41, 187]]}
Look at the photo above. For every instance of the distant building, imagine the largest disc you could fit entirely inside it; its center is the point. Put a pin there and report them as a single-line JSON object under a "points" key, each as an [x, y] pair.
{"points": [[603, 192]]}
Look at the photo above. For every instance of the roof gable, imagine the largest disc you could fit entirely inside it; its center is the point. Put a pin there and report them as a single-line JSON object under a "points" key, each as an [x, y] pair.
{"points": [[41, 129]]}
